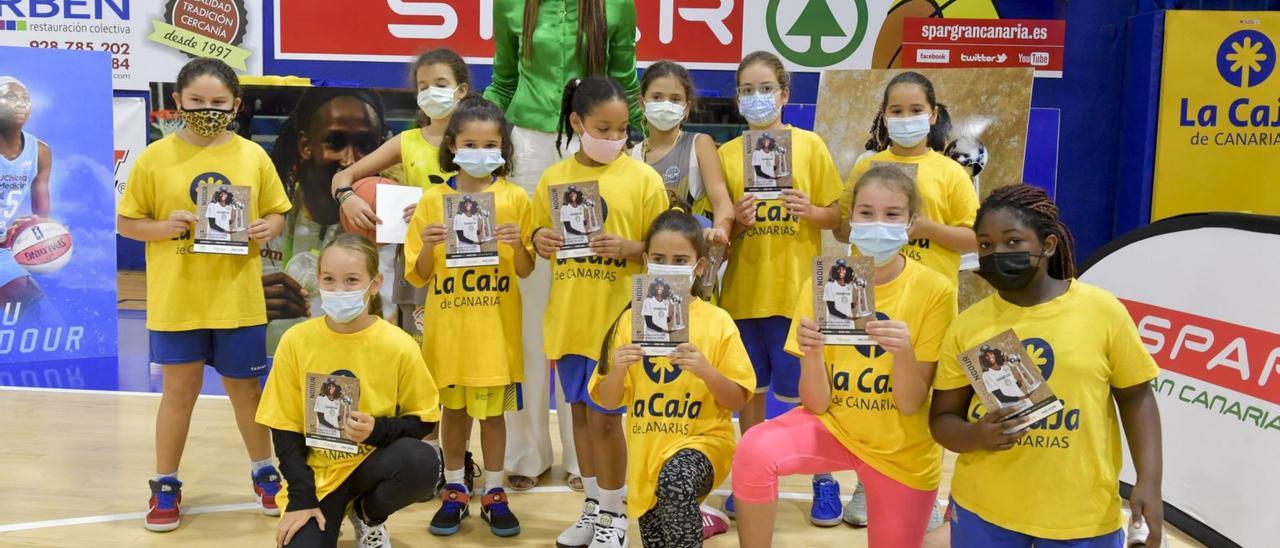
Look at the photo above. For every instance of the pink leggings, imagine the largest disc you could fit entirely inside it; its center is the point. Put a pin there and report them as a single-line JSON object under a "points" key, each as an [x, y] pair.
{"points": [[798, 443]]}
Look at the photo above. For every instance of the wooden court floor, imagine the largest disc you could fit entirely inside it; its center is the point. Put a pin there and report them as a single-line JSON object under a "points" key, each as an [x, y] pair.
{"points": [[74, 468]]}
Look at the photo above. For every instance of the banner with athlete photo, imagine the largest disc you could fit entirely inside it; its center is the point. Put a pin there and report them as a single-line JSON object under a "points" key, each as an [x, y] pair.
{"points": [[57, 220], [148, 40], [844, 299]]}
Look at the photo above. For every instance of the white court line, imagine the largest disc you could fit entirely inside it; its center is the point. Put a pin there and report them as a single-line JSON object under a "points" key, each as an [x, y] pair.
{"points": [[85, 391]]}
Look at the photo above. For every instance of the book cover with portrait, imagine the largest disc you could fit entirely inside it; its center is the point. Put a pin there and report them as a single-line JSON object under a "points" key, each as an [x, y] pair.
{"points": [[470, 220], [222, 219], [1003, 375], [330, 399], [576, 215], [767, 159], [844, 299], [659, 313]]}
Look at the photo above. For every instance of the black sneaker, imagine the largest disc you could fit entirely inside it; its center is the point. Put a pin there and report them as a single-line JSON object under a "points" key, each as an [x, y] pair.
{"points": [[454, 507], [495, 511]]}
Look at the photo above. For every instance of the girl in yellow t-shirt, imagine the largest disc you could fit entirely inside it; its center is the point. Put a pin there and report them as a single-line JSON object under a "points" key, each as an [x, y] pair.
{"points": [[442, 80], [474, 311], [588, 292], [395, 406], [866, 408], [774, 240], [203, 309], [1055, 482], [916, 125]]}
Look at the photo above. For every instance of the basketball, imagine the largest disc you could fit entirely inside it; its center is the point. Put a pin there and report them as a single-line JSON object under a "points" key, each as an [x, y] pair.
{"points": [[367, 190], [41, 246]]}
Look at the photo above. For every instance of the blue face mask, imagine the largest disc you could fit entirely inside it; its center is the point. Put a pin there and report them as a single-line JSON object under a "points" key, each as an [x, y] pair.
{"points": [[344, 306], [880, 241], [760, 109], [479, 162], [909, 131]]}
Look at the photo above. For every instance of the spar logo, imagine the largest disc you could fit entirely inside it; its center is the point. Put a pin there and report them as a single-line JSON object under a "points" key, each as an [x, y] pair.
{"points": [[1246, 58], [816, 21]]}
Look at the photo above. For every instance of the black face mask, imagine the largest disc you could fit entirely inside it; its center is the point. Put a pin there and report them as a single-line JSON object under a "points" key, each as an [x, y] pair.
{"points": [[1008, 271]]}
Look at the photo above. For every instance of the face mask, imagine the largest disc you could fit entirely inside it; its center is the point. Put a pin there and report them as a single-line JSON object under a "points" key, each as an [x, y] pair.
{"points": [[437, 102], [663, 115], [908, 132], [760, 109], [207, 122], [1007, 271], [479, 162], [685, 271], [880, 241], [601, 150], [343, 306]]}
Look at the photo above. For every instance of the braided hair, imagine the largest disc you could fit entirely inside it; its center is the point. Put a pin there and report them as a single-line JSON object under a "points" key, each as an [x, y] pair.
{"points": [[1033, 207]]}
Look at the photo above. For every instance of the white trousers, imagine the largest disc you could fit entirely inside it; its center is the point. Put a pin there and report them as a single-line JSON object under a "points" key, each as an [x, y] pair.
{"points": [[528, 431]]}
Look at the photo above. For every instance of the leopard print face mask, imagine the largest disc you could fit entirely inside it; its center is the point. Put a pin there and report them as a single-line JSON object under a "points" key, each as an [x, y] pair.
{"points": [[207, 122]]}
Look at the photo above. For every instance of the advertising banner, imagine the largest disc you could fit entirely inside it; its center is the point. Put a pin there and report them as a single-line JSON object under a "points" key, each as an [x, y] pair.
{"points": [[1218, 141], [130, 131], [985, 43], [57, 220]]}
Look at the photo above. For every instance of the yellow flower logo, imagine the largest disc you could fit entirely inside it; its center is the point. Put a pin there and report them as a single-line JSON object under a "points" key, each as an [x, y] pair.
{"points": [[1246, 57]]}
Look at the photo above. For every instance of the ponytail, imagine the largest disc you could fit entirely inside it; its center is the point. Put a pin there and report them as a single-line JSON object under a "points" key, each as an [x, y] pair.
{"points": [[579, 97], [1038, 211], [941, 130]]}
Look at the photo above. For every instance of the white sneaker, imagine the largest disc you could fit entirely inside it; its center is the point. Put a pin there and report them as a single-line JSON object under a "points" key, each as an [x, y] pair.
{"points": [[611, 531], [855, 512], [579, 534], [369, 536]]}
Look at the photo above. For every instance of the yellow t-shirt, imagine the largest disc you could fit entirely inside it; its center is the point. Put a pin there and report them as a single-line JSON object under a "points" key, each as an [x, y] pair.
{"points": [[669, 409], [947, 196], [393, 383], [772, 258], [1060, 481], [421, 160], [862, 414], [475, 311], [188, 290], [588, 293]]}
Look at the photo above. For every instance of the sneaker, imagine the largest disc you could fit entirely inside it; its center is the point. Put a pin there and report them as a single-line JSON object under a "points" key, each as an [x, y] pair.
{"points": [[935, 519], [266, 483], [164, 510], [728, 506], [495, 511], [855, 513], [825, 511], [579, 534], [714, 522], [611, 531], [369, 535], [454, 508]]}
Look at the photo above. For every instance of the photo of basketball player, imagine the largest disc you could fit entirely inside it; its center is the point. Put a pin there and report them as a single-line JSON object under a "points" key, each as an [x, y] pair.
{"points": [[466, 226], [657, 312], [573, 215], [999, 379], [331, 409], [839, 295], [25, 165], [764, 157], [219, 214]]}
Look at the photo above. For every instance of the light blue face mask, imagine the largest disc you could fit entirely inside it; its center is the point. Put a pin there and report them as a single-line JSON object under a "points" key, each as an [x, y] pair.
{"points": [[880, 241], [909, 131], [479, 162], [760, 109], [344, 306]]}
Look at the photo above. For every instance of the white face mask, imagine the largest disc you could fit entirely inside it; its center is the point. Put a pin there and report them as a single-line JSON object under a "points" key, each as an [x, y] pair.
{"points": [[437, 102], [479, 162], [676, 270], [344, 306], [663, 115], [908, 132]]}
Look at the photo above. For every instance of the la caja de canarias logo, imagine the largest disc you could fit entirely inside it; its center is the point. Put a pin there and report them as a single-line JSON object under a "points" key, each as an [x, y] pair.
{"points": [[661, 373], [666, 413], [873, 351], [1053, 431], [1245, 113], [1246, 58]]}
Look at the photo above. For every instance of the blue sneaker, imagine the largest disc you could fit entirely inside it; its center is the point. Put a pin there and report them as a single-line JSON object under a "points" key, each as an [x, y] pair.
{"points": [[826, 510], [266, 485], [454, 507], [728, 506], [495, 511], [164, 509]]}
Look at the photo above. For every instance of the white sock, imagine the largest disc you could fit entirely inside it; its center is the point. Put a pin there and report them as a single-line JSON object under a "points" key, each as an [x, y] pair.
{"points": [[611, 501], [159, 477], [591, 488], [493, 479], [455, 477], [260, 464]]}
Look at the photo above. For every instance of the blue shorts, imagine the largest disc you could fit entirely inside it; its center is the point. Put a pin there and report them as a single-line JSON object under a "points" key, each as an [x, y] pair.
{"points": [[236, 353], [765, 339], [575, 373], [968, 529]]}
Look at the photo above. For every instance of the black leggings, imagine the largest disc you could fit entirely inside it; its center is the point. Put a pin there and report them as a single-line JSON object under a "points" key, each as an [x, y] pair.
{"points": [[676, 521], [389, 479]]}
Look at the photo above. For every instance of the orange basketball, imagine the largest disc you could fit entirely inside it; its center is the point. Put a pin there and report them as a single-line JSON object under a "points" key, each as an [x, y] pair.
{"points": [[367, 190]]}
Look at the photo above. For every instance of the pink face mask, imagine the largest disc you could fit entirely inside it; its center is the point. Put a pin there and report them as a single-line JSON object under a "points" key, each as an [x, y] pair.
{"points": [[601, 150]]}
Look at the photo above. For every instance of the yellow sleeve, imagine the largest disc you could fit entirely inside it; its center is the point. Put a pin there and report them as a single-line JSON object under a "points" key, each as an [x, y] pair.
{"points": [[416, 394], [804, 309], [281, 406], [941, 311], [962, 207], [655, 198], [731, 358], [413, 240], [524, 218], [846, 193], [732, 171], [138, 201], [950, 376], [824, 178], [1131, 364], [271, 196]]}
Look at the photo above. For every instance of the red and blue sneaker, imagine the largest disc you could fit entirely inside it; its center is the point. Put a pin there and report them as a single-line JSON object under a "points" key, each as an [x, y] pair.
{"points": [[496, 512], [266, 483], [164, 511]]}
